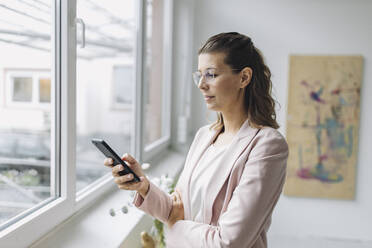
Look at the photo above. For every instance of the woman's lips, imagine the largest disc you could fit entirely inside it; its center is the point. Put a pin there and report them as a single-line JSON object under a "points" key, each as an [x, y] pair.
{"points": [[207, 98]]}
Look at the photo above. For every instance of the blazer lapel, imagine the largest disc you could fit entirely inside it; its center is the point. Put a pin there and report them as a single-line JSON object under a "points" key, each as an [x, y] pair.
{"points": [[232, 153]]}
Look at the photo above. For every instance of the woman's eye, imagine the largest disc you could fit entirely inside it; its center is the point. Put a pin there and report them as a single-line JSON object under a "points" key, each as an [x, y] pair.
{"points": [[210, 75]]}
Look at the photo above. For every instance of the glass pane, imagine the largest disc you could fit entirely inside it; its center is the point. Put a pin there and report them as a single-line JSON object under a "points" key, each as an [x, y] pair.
{"points": [[154, 70], [123, 82], [25, 135], [105, 73], [44, 89], [22, 89]]}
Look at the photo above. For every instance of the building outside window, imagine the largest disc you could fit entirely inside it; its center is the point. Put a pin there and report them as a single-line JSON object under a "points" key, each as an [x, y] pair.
{"points": [[27, 88]]}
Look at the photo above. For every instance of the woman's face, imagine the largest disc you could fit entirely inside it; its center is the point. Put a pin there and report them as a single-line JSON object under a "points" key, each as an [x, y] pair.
{"points": [[219, 85]]}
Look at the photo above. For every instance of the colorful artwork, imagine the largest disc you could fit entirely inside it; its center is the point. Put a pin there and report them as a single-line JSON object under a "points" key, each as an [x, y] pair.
{"points": [[323, 125]]}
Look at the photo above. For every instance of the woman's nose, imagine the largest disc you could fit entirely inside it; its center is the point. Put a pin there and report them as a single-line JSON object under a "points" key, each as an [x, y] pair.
{"points": [[202, 82]]}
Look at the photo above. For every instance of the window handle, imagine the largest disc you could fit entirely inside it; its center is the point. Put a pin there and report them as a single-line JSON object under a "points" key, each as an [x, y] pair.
{"points": [[81, 22]]}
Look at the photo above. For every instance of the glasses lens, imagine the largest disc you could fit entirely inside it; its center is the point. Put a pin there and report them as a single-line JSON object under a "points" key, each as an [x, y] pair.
{"points": [[196, 76]]}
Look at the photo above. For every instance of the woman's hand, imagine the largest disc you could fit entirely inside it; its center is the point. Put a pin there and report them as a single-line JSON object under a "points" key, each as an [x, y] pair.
{"points": [[177, 212], [122, 182]]}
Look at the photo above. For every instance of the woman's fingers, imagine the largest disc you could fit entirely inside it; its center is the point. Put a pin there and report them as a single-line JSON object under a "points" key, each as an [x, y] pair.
{"points": [[176, 198], [115, 170], [127, 157], [179, 193], [108, 162], [177, 212], [129, 186], [123, 179], [123, 182], [173, 197], [133, 164], [179, 200]]}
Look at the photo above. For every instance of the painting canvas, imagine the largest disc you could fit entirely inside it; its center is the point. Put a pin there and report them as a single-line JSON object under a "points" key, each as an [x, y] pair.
{"points": [[322, 126]]}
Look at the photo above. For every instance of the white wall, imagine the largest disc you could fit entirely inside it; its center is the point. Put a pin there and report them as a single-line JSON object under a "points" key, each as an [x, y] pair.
{"points": [[15, 116], [280, 28]]}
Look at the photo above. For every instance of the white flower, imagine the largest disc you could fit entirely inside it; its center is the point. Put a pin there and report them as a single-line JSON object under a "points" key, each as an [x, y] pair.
{"points": [[164, 187], [164, 182], [145, 166], [163, 178], [168, 182], [156, 181]]}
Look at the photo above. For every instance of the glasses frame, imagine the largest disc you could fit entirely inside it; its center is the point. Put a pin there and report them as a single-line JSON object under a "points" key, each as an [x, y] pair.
{"points": [[197, 75]]}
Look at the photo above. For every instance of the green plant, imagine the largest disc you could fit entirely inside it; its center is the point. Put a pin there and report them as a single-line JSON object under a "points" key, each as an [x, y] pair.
{"points": [[28, 177], [169, 185]]}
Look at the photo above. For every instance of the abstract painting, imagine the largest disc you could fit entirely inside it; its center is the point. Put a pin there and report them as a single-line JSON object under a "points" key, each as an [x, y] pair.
{"points": [[323, 125]]}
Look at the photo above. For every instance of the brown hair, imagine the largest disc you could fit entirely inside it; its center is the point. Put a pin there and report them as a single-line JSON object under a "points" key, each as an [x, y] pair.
{"points": [[240, 53]]}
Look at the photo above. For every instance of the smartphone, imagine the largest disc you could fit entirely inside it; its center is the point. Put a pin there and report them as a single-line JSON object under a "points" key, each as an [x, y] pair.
{"points": [[109, 153]]}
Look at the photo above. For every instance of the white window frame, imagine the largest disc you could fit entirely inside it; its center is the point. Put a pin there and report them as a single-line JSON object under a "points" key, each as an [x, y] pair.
{"points": [[151, 150], [63, 79], [35, 75], [43, 217]]}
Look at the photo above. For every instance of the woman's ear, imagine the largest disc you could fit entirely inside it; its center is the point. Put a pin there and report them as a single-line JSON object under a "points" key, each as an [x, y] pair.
{"points": [[246, 76]]}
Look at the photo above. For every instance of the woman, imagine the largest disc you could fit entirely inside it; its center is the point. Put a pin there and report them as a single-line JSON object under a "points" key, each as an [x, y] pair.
{"points": [[235, 168]]}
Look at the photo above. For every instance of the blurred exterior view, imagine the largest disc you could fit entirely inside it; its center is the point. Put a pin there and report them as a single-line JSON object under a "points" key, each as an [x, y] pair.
{"points": [[105, 93]]}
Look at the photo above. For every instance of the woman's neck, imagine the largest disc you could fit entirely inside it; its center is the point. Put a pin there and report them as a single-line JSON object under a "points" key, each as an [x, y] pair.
{"points": [[232, 123]]}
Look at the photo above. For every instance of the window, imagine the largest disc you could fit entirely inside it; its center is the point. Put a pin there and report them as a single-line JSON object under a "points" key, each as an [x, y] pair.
{"points": [[64, 83], [44, 89], [26, 150], [123, 82], [110, 37], [22, 89], [28, 88]]}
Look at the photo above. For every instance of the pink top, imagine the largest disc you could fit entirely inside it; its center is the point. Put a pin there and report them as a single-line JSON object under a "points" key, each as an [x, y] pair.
{"points": [[203, 173]]}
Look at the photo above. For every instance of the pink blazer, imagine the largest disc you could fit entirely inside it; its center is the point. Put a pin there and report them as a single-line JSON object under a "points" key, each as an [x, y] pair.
{"points": [[240, 198]]}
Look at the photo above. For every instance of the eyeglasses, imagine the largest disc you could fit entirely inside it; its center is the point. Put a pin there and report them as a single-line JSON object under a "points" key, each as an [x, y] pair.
{"points": [[208, 75]]}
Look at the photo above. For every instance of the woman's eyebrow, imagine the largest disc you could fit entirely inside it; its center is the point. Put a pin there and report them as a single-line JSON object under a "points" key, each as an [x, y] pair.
{"points": [[209, 68]]}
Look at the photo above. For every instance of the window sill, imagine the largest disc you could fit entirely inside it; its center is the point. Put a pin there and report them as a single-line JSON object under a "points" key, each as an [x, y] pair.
{"points": [[95, 225]]}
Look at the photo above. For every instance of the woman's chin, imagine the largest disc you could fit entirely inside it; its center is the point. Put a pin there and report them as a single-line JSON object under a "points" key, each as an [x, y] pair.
{"points": [[212, 107]]}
